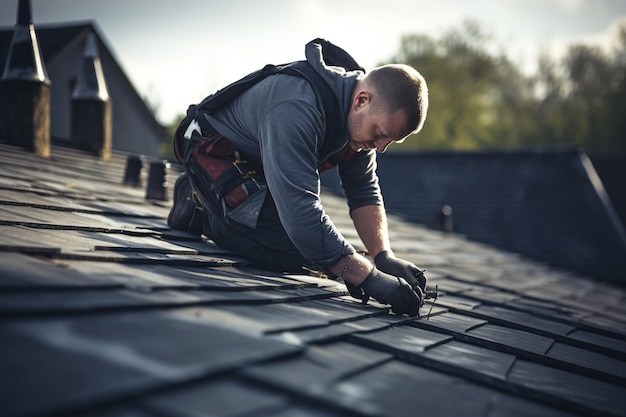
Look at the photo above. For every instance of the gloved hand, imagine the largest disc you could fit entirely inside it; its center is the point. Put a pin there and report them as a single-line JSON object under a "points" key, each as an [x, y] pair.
{"points": [[357, 292], [391, 290], [387, 262]]}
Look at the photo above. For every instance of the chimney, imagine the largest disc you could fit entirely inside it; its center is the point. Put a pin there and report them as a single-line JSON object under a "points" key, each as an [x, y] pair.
{"points": [[157, 186], [25, 89], [444, 218], [91, 105]]}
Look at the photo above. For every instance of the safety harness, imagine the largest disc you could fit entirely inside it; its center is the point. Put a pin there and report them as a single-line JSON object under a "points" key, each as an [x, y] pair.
{"points": [[217, 162]]}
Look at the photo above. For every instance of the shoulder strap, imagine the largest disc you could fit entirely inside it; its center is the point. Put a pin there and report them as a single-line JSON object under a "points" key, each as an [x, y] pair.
{"points": [[330, 103], [333, 55], [231, 91], [300, 69]]}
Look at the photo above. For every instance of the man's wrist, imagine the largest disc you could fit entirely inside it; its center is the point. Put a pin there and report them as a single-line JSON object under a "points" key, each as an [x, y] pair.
{"points": [[352, 268], [383, 255]]}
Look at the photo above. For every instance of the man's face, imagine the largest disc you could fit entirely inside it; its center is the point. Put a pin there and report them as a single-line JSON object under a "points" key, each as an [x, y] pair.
{"points": [[371, 128]]}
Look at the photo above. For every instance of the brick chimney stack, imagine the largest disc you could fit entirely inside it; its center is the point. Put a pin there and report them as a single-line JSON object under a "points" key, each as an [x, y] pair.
{"points": [[25, 89], [91, 105]]}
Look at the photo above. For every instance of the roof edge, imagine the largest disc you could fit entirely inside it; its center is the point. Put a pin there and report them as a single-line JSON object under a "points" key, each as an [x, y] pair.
{"points": [[552, 149]]}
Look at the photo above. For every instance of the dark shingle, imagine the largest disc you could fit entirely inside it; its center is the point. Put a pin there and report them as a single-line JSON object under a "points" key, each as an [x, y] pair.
{"points": [[105, 311]]}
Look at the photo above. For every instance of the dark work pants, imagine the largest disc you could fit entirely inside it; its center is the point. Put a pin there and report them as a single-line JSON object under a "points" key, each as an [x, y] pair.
{"points": [[268, 245]]}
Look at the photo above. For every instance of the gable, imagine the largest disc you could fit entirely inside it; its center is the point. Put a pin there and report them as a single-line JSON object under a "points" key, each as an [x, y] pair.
{"points": [[134, 127]]}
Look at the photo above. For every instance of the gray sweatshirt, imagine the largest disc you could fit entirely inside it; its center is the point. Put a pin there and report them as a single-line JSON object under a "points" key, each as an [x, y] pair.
{"points": [[279, 123]]}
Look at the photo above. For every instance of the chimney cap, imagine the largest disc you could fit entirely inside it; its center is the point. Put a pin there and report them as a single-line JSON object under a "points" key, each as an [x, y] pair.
{"points": [[91, 83], [25, 61]]}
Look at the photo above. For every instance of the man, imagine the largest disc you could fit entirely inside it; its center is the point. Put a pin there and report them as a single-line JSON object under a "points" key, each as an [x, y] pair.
{"points": [[279, 127]]}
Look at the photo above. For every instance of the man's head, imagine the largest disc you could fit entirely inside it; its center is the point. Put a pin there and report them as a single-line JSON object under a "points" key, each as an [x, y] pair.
{"points": [[388, 104]]}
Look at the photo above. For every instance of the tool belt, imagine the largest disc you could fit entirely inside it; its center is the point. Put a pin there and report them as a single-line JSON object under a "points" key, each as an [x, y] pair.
{"points": [[218, 172]]}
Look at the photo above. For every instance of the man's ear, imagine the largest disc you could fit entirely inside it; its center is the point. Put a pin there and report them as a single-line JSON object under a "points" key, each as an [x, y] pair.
{"points": [[360, 99]]}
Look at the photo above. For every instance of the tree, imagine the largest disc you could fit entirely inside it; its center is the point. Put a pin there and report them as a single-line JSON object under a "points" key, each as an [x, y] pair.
{"points": [[584, 97], [480, 100], [167, 149], [476, 97]]}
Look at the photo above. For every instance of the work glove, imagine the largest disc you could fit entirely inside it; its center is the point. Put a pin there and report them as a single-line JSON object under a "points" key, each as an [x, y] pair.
{"points": [[388, 289], [387, 262]]}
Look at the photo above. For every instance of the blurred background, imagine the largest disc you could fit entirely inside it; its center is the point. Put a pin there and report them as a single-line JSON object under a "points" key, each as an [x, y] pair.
{"points": [[502, 73], [524, 147]]}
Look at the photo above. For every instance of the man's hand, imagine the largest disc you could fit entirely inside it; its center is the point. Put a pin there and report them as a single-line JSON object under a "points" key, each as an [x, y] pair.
{"points": [[387, 262], [391, 290]]}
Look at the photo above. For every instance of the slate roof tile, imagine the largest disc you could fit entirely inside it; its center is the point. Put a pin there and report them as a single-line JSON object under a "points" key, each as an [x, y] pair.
{"points": [[213, 397], [580, 393], [607, 367], [105, 311], [400, 389], [600, 343]]}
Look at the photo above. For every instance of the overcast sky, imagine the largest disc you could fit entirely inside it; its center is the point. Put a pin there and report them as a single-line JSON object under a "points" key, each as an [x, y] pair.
{"points": [[177, 51]]}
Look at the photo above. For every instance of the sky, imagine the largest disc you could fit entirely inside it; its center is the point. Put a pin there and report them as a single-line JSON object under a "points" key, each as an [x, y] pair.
{"points": [[176, 52]]}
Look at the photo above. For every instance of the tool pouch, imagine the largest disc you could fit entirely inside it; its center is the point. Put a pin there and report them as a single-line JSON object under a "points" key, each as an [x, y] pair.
{"points": [[217, 171], [217, 163]]}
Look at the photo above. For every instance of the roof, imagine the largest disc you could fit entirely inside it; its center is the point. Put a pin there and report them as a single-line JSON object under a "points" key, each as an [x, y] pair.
{"points": [[546, 204], [135, 128], [51, 39], [107, 312], [612, 171]]}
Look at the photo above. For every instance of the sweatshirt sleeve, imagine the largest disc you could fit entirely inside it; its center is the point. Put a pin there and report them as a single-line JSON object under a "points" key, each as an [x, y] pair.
{"points": [[288, 137], [359, 180]]}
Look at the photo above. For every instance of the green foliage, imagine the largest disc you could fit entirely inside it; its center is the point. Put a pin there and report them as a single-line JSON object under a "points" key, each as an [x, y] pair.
{"points": [[166, 148], [480, 100], [585, 97]]}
